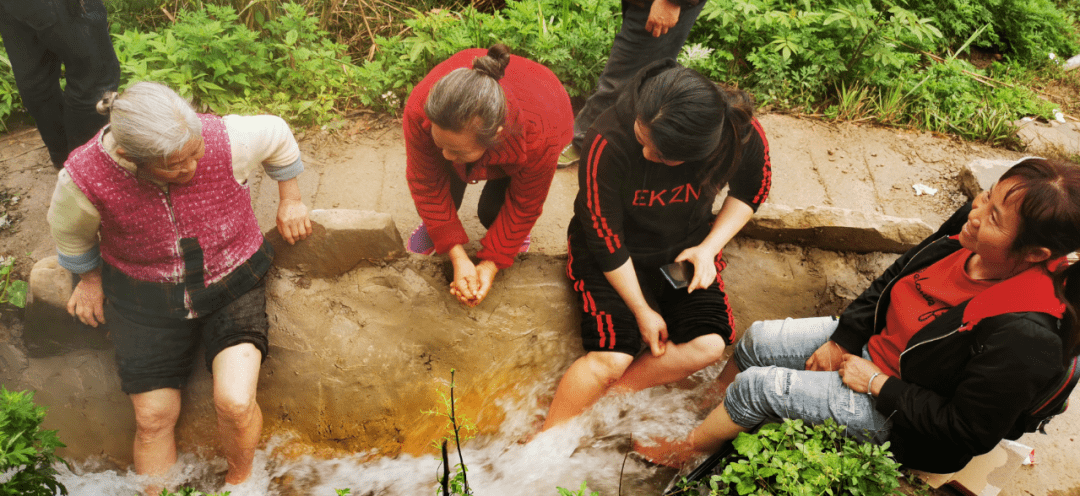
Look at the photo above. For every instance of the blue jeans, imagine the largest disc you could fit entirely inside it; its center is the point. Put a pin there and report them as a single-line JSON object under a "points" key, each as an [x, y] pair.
{"points": [[632, 49], [773, 383]]}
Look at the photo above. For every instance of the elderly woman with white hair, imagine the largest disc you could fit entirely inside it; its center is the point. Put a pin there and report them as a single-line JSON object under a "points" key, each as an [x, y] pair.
{"points": [[154, 215]]}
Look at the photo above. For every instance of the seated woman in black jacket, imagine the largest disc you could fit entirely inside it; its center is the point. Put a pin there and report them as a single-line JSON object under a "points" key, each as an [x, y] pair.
{"points": [[943, 354]]}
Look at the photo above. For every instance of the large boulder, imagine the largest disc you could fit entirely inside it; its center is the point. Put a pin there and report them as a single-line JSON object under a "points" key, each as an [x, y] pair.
{"points": [[840, 229], [49, 329]]}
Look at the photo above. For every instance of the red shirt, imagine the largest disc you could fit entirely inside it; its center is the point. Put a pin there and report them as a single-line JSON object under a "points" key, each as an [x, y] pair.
{"points": [[539, 123], [917, 300]]}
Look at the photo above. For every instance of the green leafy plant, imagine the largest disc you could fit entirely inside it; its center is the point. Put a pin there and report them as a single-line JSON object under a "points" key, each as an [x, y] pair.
{"points": [[581, 491], [9, 94], [27, 451], [798, 459], [11, 291], [292, 69], [570, 37]]}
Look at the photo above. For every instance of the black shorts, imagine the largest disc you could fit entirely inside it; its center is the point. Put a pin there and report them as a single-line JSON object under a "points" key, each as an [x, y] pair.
{"points": [[154, 352], [607, 324]]}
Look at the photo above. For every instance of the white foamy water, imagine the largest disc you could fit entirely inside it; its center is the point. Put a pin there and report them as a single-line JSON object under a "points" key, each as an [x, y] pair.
{"points": [[591, 448]]}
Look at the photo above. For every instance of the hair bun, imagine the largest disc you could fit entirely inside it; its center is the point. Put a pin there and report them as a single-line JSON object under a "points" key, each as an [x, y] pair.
{"points": [[494, 63], [105, 105]]}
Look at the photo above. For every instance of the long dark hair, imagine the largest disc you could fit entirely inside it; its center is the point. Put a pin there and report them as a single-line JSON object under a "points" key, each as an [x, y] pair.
{"points": [[465, 94], [691, 119], [1050, 218]]}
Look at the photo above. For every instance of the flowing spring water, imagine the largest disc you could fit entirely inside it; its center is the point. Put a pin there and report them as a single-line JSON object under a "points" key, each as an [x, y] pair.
{"points": [[591, 448]]}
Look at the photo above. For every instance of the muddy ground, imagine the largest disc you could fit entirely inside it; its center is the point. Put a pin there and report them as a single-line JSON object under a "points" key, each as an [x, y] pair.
{"points": [[360, 165]]}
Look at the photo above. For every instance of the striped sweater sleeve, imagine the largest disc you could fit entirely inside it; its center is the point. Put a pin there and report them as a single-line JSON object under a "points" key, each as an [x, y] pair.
{"points": [[753, 179], [428, 177], [599, 179], [530, 180]]}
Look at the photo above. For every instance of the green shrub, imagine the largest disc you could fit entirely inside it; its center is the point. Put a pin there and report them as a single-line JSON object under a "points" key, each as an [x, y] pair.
{"points": [[797, 459], [26, 450], [292, 70], [570, 37], [9, 94], [1025, 30]]}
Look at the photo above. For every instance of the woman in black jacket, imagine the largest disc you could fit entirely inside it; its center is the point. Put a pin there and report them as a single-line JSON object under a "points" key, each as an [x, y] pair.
{"points": [[944, 354]]}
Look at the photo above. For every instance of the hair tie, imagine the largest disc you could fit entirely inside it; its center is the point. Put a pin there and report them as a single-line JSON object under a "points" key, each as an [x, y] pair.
{"points": [[105, 105]]}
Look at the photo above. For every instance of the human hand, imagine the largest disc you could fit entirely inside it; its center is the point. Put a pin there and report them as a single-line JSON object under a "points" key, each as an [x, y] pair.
{"points": [[663, 15], [485, 273], [87, 300], [292, 220], [827, 358], [704, 266], [856, 372], [653, 330], [466, 281]]}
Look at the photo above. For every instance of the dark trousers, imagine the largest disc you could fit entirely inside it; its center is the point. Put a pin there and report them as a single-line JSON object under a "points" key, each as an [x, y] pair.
{"points": [[492, 197], [39, 36], [632, 49]]}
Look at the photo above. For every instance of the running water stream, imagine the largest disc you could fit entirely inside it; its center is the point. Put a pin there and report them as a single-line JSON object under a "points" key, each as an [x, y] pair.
{"points": [[591, 448]]}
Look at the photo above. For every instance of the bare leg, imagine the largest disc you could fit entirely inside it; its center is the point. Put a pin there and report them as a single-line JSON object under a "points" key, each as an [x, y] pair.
{"points": [[154, 450], [676, 364], [585, 382], [236, 375], [717, 429]]}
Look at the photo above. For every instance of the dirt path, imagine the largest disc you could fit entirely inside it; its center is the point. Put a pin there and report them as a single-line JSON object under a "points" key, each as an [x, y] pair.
{"points": [[814, 162]]}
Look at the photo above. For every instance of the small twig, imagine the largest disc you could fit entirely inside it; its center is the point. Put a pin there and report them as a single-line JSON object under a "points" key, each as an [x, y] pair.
{"points": [[624, 457], [167, 14], [446, 471], [23, 153], [457, 438]]}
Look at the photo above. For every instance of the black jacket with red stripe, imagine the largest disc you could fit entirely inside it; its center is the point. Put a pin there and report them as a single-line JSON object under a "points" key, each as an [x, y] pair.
{"points": [[968, 377], [627, 206]]}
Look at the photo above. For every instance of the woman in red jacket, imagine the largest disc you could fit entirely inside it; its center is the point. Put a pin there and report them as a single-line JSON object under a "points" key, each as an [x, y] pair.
{"points": [[483, 116]]}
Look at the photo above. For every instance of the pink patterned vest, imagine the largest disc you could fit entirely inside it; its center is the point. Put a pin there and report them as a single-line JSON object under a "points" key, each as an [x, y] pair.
{"points": [[142, 224]]}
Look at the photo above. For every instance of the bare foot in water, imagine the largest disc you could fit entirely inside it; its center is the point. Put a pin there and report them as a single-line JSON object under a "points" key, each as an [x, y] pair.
{"points": [[675, 454]]}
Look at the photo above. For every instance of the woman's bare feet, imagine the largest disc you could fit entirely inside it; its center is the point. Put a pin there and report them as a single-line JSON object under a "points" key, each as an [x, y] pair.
{"points": [[675, 454]]}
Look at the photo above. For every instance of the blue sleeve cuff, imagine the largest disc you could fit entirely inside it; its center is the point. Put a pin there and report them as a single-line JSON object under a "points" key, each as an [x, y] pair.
{"points": [[285, 172], [79, 264]]}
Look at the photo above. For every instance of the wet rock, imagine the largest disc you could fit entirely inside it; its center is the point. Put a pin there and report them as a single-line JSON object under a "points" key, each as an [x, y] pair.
{"points": [[838, 229], [980, 174], [49, 329], [1052, 135], [340, 240]]}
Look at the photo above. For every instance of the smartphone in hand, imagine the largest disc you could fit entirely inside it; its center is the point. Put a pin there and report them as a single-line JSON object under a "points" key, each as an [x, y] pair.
{"points": [[678, 273]]}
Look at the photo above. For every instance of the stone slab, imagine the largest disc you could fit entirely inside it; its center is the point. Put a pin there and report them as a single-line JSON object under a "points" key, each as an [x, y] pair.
{"points": [[340, 240], [838, 229]]}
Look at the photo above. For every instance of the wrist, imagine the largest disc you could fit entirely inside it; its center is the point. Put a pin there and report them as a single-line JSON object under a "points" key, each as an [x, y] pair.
{"points": [[870, 383], [458, 255]]}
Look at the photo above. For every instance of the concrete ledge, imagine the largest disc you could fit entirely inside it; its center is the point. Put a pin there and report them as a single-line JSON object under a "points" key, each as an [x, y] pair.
{"points": [[837, 229]]}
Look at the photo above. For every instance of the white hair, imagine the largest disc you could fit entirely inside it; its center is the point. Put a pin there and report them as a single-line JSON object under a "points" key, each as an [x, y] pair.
{"points": [[150, 121]]}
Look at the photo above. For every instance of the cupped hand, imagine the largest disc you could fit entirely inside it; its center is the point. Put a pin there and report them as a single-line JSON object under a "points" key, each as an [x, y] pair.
{"points": [[292, 220], [485, 272], [466, 283], [653, 330], [856, 372], [704, 264], [827, 358], [87, 300], [663, 15]]}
